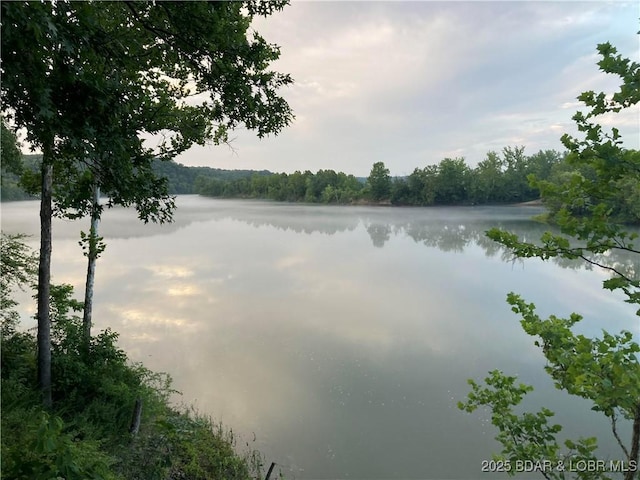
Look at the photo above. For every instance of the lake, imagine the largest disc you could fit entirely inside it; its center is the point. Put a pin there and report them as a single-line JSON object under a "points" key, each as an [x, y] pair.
{"points": [[335, 339]]}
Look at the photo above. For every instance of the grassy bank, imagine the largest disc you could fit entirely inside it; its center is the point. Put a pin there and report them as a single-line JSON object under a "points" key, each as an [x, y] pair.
{"points": [[93, 430]]}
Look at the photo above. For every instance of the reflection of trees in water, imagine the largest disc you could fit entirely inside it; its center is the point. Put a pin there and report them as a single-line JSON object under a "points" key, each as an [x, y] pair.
{"points": [[451, 237], [448, 229], [455, 236], [304, 225], [380, 233], [626, 263]]}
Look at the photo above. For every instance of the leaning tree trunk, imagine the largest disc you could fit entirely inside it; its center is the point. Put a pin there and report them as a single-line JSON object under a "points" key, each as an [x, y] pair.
{"points": [[44, 282], [92, 255], [633, 465]]}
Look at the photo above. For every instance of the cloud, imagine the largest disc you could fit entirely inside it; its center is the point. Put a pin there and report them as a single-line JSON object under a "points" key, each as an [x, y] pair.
{"points": [[407, 82]]}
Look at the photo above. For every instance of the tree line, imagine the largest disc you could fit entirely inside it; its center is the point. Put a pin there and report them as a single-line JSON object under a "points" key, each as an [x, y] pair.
{"points": [[499, 178], [182, 179], [503, 177], [19, 177]]}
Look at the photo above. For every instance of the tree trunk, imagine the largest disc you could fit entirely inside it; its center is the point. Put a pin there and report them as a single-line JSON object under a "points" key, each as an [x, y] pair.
{"points": [[634, 468], [44, 282], [135, 419], [92, 256]]}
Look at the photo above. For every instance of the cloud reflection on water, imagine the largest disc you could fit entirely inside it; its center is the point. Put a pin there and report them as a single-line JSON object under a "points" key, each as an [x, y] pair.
{"points": [[341, 336]]}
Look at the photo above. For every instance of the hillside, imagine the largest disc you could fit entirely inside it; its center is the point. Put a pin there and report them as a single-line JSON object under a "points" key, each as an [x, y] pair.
{"points": [[181, 178]]}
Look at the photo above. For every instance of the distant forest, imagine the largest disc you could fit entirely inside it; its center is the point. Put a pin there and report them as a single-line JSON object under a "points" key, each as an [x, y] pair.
{"points": [[501, 178], [10, 188], [181, 179]]}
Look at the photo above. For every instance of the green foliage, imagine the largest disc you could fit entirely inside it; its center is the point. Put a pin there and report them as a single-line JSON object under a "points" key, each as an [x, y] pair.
{"points": [[95, 387], [187, 445], [451, 182], [422, 186], [41, 450], [597, 251], [91, 244], [588, 210], [94, 393], [98, 76], [11, 163], [528, 437], [184, 180], [605, 371], [379, 182], [10, 155], [18, 268], [11, 190], [592, 205], [593, 194], [325, 186], [95, 97]]}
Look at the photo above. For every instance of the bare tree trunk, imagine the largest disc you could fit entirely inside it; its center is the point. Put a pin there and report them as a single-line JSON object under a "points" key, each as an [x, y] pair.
{"points": [[634, 468], [92, 255], [135, 419], [44, 282]]}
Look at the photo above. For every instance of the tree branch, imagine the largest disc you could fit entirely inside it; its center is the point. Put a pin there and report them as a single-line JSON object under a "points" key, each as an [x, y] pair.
{"points": [[617, 437], [612, 269]]}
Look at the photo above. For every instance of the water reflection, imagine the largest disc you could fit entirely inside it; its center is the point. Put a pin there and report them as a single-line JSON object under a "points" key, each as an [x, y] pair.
{"points": [[379, 233], [341, 336], [450, 229]]}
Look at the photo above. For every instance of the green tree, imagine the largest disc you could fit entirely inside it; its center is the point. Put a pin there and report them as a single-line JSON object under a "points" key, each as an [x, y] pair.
{"points": [[379, 182], [541, 164], [604, 370], [330, 194], [487, 182], [400, 192], [86, 78], [10, 154], [516, 187], [422, 185], [349, 187], [18, 269], [452, 181], [296, 186], [11, 165]]}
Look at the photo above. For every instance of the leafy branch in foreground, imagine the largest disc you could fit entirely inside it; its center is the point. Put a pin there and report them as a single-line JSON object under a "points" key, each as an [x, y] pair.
{"points": [[591, 207], [597, 254], [527, 439], [605, 371]]}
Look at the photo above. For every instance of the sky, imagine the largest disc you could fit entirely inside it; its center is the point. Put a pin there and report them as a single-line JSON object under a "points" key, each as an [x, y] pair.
{"points": [[409, 83]]}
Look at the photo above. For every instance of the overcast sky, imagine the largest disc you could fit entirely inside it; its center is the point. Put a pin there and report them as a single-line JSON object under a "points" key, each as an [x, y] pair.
{"points": [[410, 83]]}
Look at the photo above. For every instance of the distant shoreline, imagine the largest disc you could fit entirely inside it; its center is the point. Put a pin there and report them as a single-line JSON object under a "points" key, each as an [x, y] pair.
{"points": [[357, 203]]}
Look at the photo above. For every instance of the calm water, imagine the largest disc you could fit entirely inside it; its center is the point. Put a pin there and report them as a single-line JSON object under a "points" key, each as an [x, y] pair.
{"points": [[336, 340]]}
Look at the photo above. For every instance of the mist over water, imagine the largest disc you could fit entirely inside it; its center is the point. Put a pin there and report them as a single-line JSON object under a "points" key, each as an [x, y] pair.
{"points": [[336, 340]]}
